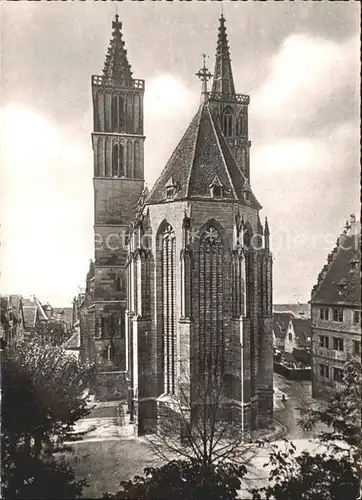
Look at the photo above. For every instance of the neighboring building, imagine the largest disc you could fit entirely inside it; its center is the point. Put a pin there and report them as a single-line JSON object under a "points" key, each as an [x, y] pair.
{"points": [[336, 312], [36, 314], [200, 268], [298, 335], [11, 319], [292, 338], [281, 322]]}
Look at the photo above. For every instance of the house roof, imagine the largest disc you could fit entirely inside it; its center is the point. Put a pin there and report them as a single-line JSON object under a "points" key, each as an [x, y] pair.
{"points": [[66, 313], [31, 309], [302, 355], [303, 330], [340, 284], [73, 343], [280, 323], [201, 156], [298, 309]]}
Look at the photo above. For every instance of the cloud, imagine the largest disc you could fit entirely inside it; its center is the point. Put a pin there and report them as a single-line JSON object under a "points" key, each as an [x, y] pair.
{"points": [[298, 61], [169, 105], [311, 83], [46, 206]]}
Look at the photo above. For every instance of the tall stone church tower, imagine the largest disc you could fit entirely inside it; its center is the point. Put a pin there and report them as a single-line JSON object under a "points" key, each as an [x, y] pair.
{"points": [[118, 147], [200, 267]]}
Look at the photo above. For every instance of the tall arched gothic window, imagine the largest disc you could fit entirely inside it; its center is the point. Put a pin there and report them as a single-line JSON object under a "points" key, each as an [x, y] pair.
{"points": [[241, 126], [211, 278], [117, 161], [228, 123], [117, 113], [168, 267]]}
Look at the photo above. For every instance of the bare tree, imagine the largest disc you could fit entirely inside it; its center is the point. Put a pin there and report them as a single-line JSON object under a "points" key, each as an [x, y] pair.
{"points": [[201, 424]]}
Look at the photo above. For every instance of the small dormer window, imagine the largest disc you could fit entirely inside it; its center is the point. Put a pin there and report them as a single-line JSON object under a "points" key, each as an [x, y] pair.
{"points": [[353, 264], [170, 193], [216, 191], [216, 188], [170, 189], [247, 196], [342, 286]]}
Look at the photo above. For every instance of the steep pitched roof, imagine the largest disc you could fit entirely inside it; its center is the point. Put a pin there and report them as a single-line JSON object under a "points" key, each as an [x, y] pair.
{"points": [[73, 342], [280, 323], [298, 309], [201, 155], [341, 283], [65, 313], [31, 309], [303, 330]]}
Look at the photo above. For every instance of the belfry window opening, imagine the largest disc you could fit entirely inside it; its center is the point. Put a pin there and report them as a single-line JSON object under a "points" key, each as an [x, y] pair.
{"points": [[117, 161], [117, 113], [241, 128], [228, 123]]}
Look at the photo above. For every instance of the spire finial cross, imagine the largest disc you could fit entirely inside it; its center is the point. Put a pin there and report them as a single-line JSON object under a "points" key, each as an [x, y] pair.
{"points": [[204, 75]]}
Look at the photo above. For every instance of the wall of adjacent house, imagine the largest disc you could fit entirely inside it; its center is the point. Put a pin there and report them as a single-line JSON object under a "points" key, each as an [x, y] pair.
{"points": [[290, 342], [348, 331]]}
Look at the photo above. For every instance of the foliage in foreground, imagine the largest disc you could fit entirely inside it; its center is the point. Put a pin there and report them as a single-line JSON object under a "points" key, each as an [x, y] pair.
{"points": [[184, 480], [44, 394], [333, 473], [33, 477]]}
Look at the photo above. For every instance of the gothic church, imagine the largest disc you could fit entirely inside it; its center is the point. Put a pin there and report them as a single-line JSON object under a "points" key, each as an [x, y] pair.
{"points": [[191, 291]]}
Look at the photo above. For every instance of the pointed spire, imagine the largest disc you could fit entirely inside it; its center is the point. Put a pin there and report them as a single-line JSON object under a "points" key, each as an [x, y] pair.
{"points": [[266, 235], [266, 227], [116, 66], [223, 77]]}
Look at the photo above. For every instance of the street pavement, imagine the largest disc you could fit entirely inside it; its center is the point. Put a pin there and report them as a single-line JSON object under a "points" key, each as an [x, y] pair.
{"points": [[102, 426], [299, 394], [102, 423]]}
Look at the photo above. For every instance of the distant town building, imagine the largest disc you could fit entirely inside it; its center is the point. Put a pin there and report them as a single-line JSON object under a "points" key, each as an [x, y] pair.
{"points": [[291, 340], [281, 321], [336, 312], [298, 335], [297, 308], [36, 313], [11, 319]]}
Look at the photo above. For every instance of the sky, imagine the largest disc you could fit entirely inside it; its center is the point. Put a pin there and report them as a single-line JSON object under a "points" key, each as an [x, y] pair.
{"points": [[298, 61]]}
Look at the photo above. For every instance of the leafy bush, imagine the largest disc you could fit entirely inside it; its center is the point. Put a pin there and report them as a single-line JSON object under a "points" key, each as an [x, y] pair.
{"points": [[184, 480]]}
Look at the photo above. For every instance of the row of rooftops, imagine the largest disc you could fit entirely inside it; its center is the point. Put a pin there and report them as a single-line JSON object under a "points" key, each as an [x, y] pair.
{"points": [[30, 311]]}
